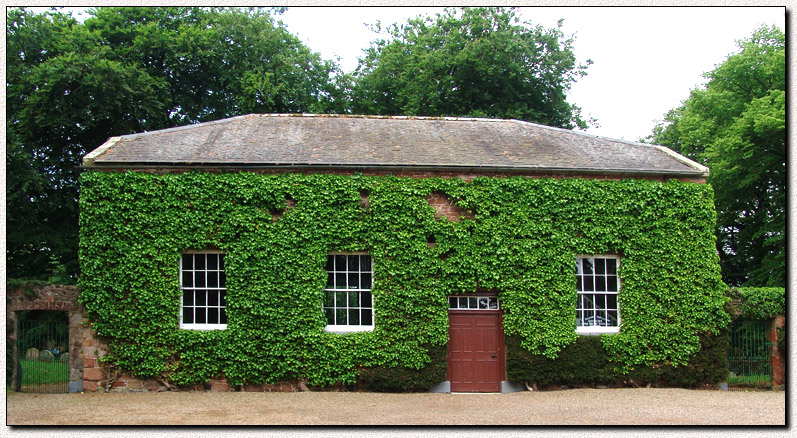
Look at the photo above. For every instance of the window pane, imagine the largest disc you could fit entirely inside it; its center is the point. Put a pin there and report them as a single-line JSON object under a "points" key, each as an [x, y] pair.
{"points": [[365, 263], [329, 299], [612, 318], [199, 262], [340, 299], [354, 263], [366, 281], [213, 279], [213, 316], [483, 302], [213, 298], [330, 314], [340, 281], [600, 283], [578, 266], [603, 319], [579, 318], [340, 262], [354, 316], [611, 301], [366, 299], [223, 313], [188, 279], [611, 283], [463, 302], [188, 261], [199, 279], [353, 299], [221, 262], [472, 303], [222, 299], [330, 280], [600, 266], [578, 284], [330, 266], [493, 303], [340, 317], [354, 281], [600, 301], [188, 298], [366, 317], [578, 301], [222, 279], [452, 302], [611, 266], [188, 315], [587, 265], [589, 301], [199, 315], [213, 262], [200, 297], [588, 286]]}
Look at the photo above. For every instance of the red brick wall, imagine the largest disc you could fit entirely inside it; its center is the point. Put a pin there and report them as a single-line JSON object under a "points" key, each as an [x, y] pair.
{"points": [[466, 175]]}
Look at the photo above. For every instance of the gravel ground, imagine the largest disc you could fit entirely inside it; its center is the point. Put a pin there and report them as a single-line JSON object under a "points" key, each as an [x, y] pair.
{"points": [[644, 406]]}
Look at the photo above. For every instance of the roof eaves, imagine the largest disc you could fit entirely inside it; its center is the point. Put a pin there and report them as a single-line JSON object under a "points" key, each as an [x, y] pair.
{"points": [[395, 166]]}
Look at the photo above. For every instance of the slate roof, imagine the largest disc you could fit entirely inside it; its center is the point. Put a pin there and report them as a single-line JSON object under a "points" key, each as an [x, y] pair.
{"points": [[367, 142]]}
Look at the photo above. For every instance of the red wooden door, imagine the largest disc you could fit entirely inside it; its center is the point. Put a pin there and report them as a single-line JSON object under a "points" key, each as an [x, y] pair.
{"points": [[475, 351]]}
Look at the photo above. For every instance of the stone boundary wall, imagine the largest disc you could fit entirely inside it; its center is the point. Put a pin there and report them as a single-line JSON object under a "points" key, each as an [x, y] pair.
{"points": [[52, 297]]}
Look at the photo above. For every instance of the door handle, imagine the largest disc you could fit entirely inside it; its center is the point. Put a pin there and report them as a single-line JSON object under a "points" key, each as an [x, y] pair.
{"points": [[493, 356]]}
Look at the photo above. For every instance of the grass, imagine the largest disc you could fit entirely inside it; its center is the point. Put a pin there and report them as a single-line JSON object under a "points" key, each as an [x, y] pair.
{"points": [[36, 372], [752, 381]]}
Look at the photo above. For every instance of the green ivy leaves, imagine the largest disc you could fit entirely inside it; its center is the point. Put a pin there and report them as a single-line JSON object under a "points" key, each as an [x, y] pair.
{"points": [[277, 229]]}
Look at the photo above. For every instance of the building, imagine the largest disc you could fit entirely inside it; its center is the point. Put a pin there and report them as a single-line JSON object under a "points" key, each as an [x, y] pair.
{"points": [[318, 249]]}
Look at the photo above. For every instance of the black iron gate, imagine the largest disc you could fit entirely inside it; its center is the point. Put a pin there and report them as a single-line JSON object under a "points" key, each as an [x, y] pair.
{"points": [[750, 356], [43, 356]]}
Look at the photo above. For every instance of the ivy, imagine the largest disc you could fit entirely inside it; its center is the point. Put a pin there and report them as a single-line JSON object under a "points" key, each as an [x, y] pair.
{"points": [[757, 303], [276, 231]]}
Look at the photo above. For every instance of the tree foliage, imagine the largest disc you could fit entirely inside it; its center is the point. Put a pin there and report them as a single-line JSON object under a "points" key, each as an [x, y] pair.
{"points": [[736, 125], [72, 85], [480, 62]]}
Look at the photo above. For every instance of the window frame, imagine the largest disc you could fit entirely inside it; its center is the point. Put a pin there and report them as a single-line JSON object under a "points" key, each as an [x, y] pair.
{"points": [[349, 328], [599, 330], [183, 289]]}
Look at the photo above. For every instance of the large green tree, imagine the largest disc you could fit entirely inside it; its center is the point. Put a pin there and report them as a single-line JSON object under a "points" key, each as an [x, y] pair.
{"points": [[481, 62], [736, 125], [71, 85]]}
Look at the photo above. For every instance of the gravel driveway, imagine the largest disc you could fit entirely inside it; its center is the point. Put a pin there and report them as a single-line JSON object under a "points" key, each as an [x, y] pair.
{"points": [[644, 406]]}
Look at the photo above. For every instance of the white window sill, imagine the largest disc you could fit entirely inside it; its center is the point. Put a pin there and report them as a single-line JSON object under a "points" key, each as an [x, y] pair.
{"points": [[203, 326], [594, 331], [348, 328]]}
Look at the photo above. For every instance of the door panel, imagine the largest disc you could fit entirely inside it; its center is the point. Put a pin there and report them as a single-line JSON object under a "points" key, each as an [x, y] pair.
{"points": [[475, 351]]}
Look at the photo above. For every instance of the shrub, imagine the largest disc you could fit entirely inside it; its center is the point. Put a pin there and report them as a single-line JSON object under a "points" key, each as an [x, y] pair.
{"points": [[585, 362], [402, 379]]}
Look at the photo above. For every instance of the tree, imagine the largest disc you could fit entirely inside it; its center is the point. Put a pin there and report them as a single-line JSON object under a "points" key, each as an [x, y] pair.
{"points": [[480, 62], [72, 85], [736, 125]]}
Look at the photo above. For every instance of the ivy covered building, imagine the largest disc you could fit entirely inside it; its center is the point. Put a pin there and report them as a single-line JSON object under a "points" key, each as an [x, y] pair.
{"points": [[394, 252]]}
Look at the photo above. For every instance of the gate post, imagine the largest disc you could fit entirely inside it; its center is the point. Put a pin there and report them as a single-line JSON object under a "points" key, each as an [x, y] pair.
{"points": [[778, 356], [13, 337]]}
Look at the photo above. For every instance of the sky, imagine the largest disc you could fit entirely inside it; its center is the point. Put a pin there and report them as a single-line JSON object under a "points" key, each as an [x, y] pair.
{"points": [[646, 59]]}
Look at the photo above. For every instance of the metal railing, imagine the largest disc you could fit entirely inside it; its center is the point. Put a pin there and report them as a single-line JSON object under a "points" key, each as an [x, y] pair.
{"points": [[43, 364]]}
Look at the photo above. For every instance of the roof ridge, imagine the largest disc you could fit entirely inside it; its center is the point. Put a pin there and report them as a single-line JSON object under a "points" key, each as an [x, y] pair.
{"points": [[189, 126]]}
